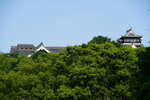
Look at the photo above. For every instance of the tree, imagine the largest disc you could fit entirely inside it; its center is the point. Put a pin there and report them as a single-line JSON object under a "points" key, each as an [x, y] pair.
{"points": [[142, 82], [86, 72], [101, 40]]}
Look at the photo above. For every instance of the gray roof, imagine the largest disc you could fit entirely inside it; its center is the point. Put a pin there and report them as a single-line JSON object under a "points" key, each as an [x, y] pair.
{"points": [[130, 33], [41, 44], [55, 49], [26, 52], [13, 49], [25, 46]]}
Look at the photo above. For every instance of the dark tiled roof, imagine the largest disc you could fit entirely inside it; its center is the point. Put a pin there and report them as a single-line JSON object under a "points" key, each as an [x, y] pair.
{"points": [[13, 49], [20, 52], [41, 44], [25, 46], [28, 51], [55, 49]]}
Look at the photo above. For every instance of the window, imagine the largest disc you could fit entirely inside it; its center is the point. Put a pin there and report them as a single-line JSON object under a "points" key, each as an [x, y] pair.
{"points": [[131, 40], [135, 40], [125, 40]]}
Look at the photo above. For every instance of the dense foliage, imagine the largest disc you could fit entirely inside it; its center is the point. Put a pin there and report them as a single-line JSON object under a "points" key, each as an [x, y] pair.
{"points": [[101, 39], [86, 72], [142, 82]]}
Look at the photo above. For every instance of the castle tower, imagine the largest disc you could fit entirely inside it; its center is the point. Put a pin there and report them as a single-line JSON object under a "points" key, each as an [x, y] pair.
{"points": [[131, 38]]}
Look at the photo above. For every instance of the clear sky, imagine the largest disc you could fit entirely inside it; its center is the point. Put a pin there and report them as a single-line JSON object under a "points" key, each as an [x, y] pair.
{"points": [[70, 22]]}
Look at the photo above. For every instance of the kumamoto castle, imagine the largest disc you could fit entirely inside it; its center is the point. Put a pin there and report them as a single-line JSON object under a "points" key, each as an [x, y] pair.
{"points": [[130, 38]]}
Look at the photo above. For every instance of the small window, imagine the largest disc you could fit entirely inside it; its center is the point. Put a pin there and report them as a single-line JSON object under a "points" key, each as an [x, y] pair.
{"points": [[131, 40]]}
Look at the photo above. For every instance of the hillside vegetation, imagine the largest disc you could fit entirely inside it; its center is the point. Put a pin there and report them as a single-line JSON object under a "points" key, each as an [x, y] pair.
{"points": [[93, 71]]}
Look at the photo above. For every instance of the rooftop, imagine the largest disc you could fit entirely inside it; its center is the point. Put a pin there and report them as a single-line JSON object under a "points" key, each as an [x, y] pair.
{"points": [[130, 33], [25, 46]]}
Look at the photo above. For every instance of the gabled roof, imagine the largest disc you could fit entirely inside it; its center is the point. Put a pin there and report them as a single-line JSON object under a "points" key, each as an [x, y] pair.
{"points": [[25, 46], [130, 33], [41, 44], [41, 47]]}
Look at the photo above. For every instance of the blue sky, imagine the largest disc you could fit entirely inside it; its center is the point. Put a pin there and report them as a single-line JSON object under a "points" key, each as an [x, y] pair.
{"points": [[70, 22]]}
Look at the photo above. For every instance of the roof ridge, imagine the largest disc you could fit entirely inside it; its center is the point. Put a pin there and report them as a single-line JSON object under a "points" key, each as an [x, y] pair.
{"points": [[41, 44], [55, 46], [24, 44], [130, 31]]}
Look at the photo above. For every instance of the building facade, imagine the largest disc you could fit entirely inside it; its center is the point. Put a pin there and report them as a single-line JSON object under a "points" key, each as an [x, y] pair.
{"points": [[131, 38], [29, 49]]}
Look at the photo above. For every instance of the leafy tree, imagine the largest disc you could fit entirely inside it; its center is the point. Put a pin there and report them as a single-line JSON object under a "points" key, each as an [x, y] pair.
{"points": [[101, 40], [94, 71], [142, 82]]}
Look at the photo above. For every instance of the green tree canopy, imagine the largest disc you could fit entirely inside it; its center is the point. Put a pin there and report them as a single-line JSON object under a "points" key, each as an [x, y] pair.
{"points": [[93, 71], [101, 39]]}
